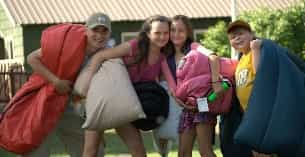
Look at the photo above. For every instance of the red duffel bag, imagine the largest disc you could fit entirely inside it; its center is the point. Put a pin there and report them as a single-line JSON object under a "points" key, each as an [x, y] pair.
{"points": [[36, 108]]}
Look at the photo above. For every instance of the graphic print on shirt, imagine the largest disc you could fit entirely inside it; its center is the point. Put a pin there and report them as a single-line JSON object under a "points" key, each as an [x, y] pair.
{"points": [[242, 77]]}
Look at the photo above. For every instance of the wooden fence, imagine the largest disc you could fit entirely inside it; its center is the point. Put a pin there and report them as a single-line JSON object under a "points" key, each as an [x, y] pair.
{"points": [[12, 77]]}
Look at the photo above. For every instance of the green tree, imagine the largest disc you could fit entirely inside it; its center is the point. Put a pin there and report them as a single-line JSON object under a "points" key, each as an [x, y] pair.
{"points": [[286, 27], [216, 39]]}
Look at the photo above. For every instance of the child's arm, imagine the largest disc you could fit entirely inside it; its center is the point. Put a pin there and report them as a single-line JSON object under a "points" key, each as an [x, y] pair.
{"points": [[168, 76], [102, 55], [214, 65], [105, 54], [215, 73], [201, 49], [34, 60], [255, 46], [189, 107]]}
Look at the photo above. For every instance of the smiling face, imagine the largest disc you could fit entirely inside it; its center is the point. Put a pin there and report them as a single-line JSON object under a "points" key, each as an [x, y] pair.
{"points": [[179, 33], [159, 33], [97, 38], [240, 39]]}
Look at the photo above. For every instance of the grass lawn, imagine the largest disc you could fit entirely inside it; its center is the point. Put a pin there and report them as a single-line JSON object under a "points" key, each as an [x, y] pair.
{"points": [[116, 148]]}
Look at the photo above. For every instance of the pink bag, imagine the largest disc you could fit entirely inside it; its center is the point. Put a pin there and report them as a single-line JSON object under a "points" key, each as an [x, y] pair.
{"points": [[194, 80]]}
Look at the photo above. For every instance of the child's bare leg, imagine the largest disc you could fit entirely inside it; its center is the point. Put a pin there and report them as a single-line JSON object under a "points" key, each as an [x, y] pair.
{"points": [[186, 142], [92, 143], [204, 137], [162, 145], [133, 139], [165, 146]]}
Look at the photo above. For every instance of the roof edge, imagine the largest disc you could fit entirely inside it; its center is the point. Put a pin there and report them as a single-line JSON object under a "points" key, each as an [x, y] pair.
{"points": [[118, 21], [8, 13]]}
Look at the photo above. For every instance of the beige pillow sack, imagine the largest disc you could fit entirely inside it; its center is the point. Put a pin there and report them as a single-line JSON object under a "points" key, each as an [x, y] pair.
{"points": [[111, 99]]}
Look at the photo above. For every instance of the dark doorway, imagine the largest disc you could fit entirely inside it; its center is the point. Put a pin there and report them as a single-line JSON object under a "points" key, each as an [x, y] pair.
{"points": [[2, 48]]}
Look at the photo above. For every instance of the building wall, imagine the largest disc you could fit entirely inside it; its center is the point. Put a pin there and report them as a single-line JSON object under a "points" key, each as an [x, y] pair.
{"points": [[201, 25], [205, 23], [32, 33], [124, 26], [12, 35]]}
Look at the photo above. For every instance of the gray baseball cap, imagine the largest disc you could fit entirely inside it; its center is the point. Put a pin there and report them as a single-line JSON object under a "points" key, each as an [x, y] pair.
{"points": [[98, 19]]}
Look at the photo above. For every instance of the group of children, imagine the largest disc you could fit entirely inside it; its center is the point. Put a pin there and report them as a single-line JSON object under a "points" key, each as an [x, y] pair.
{"points": [[155, 54]]}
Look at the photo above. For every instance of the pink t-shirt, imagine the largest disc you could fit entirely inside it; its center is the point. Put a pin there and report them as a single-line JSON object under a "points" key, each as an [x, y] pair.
{"points": [[148, 72]]}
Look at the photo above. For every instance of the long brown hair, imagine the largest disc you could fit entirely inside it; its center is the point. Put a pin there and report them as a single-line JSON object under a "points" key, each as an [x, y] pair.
{"points": [[144, 41], [190, 36]]}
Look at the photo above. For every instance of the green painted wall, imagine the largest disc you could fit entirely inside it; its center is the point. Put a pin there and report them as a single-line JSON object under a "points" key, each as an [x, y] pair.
{"points": [[32, 33], [119, 27], [132, 26], [12, 35], [204, 24]]}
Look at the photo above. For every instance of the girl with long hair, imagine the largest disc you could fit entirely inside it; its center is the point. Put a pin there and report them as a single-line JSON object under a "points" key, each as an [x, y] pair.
{"points": [[146, 60]]}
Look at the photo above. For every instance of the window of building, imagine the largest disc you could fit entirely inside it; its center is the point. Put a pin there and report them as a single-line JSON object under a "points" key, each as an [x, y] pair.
{"points": [[198, 34], [125, 36], [11, 49]]}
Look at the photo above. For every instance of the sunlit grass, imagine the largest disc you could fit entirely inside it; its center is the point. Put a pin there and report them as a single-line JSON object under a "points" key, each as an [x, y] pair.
{"points": [[116, 148], [115, 145]]}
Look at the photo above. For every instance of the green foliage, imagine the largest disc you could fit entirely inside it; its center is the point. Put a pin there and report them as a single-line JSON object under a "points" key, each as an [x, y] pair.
{"points": [[216, 39], [286, 27]]}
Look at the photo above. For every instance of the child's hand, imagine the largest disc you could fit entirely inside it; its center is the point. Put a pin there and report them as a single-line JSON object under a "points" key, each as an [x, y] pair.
{"points": [[189, 107], [217, 87], [256, 44], [95, 63], [171, 93], [62, 86]]}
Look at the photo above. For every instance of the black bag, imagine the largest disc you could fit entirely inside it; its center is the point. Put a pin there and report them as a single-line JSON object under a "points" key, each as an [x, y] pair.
{"points": [[155, 103]]}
